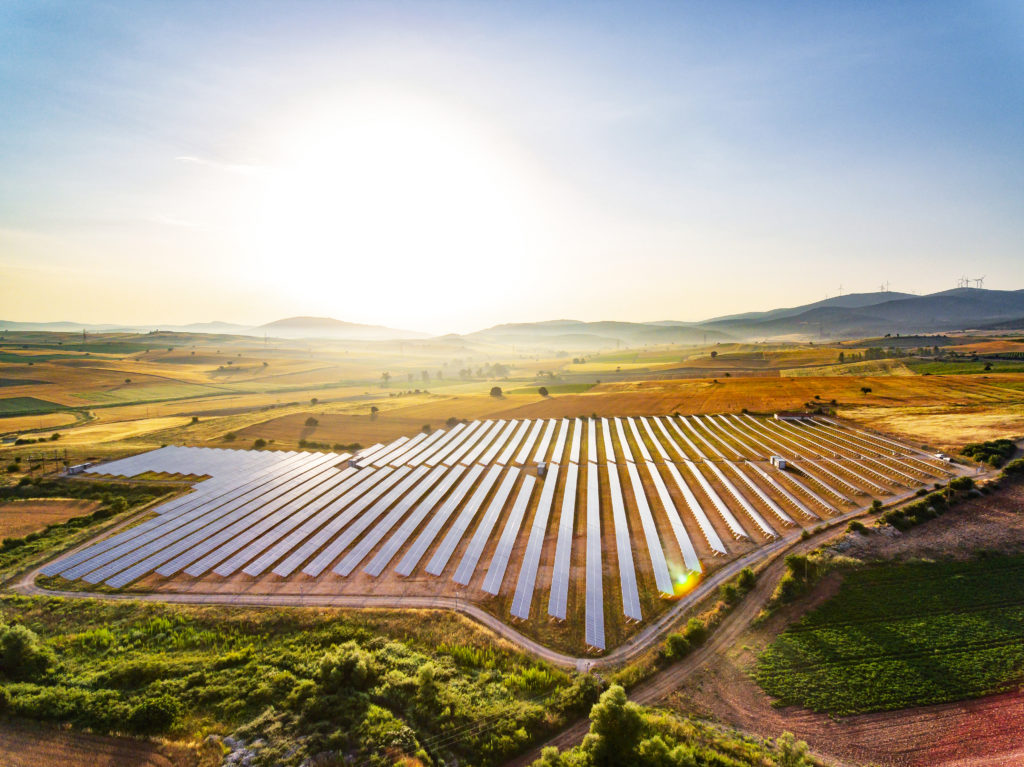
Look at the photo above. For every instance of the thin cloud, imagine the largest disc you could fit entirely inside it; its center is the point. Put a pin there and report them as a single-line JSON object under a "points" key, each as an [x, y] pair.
{"points": [[227, 167]]}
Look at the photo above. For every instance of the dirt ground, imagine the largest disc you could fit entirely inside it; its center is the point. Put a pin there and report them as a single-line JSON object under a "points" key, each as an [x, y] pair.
{"points": [[30, 744], [19, 518], [985, 731]]}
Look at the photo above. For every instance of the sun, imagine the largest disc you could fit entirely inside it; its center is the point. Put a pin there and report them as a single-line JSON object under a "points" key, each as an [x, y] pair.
{"points": [[385, 183]]}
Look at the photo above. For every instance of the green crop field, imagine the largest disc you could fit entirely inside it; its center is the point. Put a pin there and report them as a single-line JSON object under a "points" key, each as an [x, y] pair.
{"points": [[965, 367], [900, 635], [27, 406]]}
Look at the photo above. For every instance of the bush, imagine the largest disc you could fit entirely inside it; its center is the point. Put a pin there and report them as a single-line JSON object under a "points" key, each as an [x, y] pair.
{"points": [[696, 632], [259, 443], [311, 422], [857, 527], [153, 714], [1014, 467], [676, 646], [995, 452], [543, 391], [746, 579], [496, 391], [22, 655]]}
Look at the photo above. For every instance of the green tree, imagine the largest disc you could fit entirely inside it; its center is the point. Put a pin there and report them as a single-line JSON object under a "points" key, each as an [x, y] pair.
{"points": [[615, 728], [543, 391], [496, 391]]}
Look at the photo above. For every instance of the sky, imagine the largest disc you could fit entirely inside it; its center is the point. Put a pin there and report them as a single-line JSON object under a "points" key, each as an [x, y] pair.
{"points": [[447, 166]]}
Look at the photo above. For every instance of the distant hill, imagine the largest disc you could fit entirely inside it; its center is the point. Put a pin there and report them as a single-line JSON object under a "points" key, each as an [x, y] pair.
{"points": [[957, 309], [849, 301], [327, 327], [575, 334]]}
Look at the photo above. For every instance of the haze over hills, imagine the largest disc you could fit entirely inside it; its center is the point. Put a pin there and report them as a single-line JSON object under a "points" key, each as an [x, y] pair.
{"points": [[850, 316]]}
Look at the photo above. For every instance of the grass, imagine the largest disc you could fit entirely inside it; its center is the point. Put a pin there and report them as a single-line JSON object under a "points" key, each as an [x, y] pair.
{"points": [[569, 388], [305, 682], [964, 367], [900, 635], [27, 406]]}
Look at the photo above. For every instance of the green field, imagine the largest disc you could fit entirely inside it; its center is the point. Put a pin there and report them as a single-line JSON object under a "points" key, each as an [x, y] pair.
{"points": [[553, 388], [21, 382], [964, 367], [27, 406], [900, 635]]}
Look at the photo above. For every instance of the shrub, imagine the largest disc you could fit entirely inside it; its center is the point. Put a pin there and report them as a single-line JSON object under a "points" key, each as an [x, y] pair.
{"points": [[311, 422], [995, 452], [857, 526], [259, 443], [746, 579], [154, 714], [496, 391], [230, 437], [729, 593], [1014, 467], [676, 646], [696, 631], [543, 391], [22, 655]]}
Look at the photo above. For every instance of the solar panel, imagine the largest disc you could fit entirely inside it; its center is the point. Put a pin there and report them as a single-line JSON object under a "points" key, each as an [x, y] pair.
{"points": [[832, 475], [775, 438], [531, 559], [716, 500], [351, 560], [399, 450], [741, 500], [212, 544], [440, 445], [682, 435], [714, 435], [545, 440], [592, 440], [504, 436], [594, 610], [623, 444], [658, 564], [800, 505], [506, 455], [644, 453], [422, 543], [627, 570], [150, 535], [859, 477], [191, 541], [403, 456], [444, 552], [470, 558], [396, 541], [499, 562], [559, 596], [690, 559], [238, 536], [367, 518], [380, 457], [606, 437], [324, 523], [450, 453], [577, 436], [278, 542], [329, 551], [654, 439], [723, 434], [697, 433], [492, 434], [524, 452], [802, 486], [766, 499], [268, 533], [746, 439]]}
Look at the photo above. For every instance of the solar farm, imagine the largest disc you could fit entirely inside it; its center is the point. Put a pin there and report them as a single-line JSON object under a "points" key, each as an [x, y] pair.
{"points": [[590, 525]]}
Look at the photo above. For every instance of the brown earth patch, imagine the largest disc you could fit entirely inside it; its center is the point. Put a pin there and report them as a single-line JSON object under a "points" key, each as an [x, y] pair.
{"points": [[19, 518], [31, 744]]}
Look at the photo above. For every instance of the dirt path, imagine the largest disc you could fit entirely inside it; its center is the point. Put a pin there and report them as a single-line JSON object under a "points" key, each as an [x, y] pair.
{"points": [[31, 744]]}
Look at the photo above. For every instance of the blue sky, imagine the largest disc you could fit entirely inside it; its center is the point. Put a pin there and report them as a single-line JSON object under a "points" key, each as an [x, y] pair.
{"points": [[445, 166]]}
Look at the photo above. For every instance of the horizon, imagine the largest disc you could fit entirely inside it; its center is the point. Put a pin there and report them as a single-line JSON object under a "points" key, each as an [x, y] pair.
{"points": [[256, 326], [450, 166]]}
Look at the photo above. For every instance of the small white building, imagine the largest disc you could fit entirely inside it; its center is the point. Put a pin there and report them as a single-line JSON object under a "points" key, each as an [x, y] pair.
{"points": [[778, 461]]}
